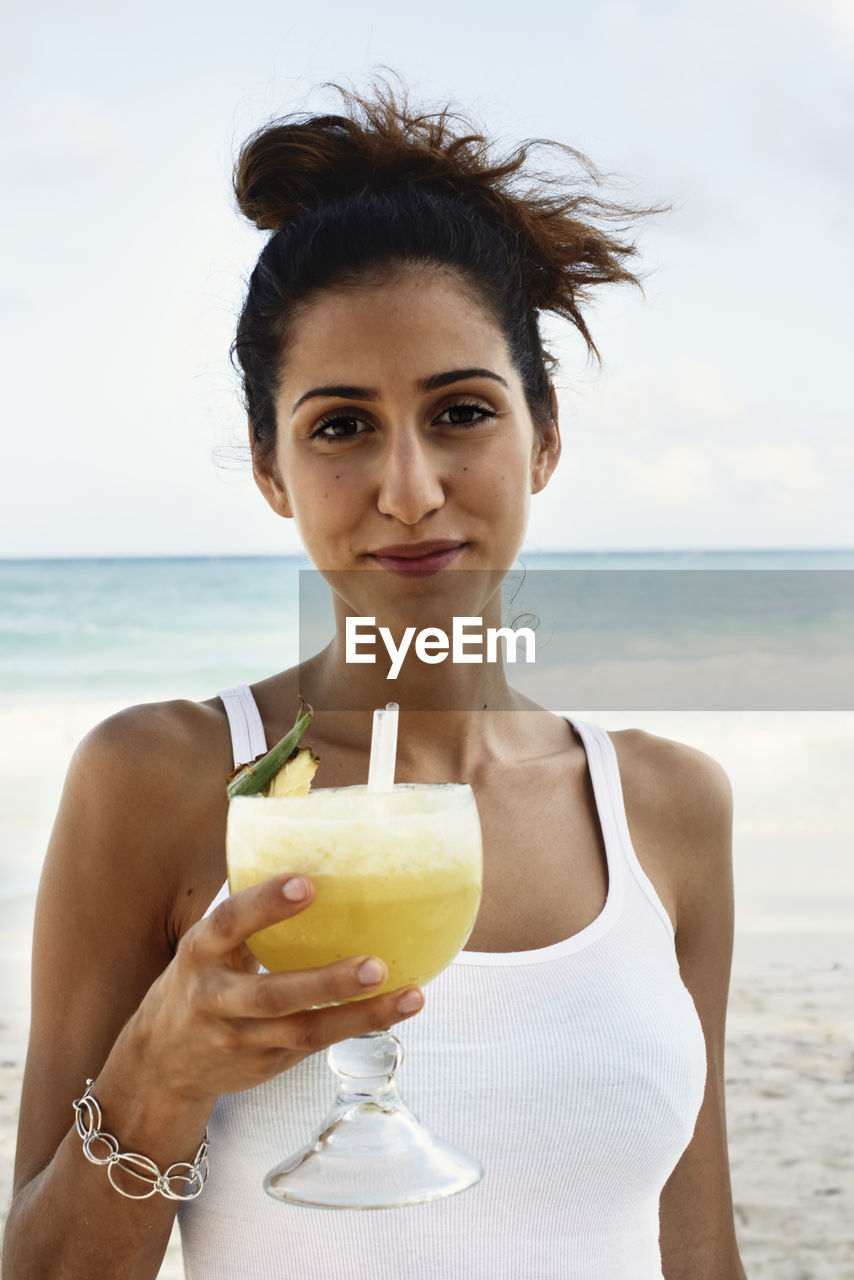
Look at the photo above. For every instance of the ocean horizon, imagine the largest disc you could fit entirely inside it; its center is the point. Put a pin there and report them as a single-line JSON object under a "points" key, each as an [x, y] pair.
{"points": [[151, 627]]}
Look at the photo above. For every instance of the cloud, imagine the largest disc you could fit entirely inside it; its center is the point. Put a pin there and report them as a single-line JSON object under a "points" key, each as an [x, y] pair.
{"points": [[678, 437], [779, 477], [839, 15], [841, 452], [65, 137], [678, 476], [773, 74], [831, 19], [785, 474], [652, 403]]}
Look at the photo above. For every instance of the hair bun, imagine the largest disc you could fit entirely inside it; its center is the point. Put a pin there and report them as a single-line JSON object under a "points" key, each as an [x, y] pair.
{"points": [[291, 165], [299, 162]]}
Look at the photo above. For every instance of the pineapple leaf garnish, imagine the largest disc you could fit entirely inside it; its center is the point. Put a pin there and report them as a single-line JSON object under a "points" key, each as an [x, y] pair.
{"points": [[252, 779]]}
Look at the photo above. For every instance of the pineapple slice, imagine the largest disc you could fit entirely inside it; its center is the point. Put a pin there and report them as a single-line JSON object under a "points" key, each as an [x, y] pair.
{"points": [[294, 777], [254, 778]]}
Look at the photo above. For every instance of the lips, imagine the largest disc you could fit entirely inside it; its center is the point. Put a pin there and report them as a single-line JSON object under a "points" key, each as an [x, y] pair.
{"points": [[414, 550], [417, 559]]}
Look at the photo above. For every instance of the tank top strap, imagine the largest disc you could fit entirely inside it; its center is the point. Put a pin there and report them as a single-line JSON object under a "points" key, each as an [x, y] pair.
{"points": [[608, 792], [247, 730], [248, 741]]}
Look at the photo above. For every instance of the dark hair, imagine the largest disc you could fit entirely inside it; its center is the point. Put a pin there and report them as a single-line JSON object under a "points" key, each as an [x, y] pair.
{"points": [[347, 196]]}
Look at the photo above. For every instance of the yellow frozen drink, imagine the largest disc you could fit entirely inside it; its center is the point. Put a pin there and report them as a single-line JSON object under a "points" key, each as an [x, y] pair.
{"points": [[397, 874]]}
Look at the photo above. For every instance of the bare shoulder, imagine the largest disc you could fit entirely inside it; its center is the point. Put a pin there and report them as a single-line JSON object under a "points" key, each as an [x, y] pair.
{"points": [[679, 810], [658, 770], [156, 738], [144, 803]]}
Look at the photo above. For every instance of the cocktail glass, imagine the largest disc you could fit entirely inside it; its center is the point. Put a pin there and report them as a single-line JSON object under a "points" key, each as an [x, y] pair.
{"points": [[397, 874]]}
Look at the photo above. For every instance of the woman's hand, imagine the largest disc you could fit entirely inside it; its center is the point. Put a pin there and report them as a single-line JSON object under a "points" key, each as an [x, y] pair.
{"points": [[212, 1024]]}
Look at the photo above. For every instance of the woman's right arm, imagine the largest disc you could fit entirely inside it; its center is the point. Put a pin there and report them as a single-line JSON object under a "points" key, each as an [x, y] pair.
{"points": [[163, 1029]]}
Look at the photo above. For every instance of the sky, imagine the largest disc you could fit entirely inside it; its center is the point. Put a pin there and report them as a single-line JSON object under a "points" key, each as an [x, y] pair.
{"points": [[721, 415]]}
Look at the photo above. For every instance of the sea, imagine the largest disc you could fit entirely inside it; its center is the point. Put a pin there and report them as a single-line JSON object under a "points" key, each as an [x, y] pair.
{"points": [[746, 655]]}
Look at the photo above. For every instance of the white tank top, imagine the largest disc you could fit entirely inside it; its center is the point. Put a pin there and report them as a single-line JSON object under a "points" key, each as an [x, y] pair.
{"points": [[574, 1072]]}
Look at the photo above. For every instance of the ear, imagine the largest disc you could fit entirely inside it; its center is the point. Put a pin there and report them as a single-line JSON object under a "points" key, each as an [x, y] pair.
{"points": [[546, 451], [266, 476]]}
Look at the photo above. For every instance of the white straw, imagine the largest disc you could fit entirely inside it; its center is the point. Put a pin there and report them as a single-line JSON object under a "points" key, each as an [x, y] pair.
{"points": [[383, 748]]}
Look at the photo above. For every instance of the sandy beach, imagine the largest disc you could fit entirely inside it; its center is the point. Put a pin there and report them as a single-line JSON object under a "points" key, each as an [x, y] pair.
{"points": [[790, 1041], [790, 1089]]}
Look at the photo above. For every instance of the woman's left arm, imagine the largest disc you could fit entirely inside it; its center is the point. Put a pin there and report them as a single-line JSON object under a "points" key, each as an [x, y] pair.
{"points": [[679, 806]]}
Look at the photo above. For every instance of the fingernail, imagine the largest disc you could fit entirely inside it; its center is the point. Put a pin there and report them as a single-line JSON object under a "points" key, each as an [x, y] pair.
{"points": [[409, 1002], [295, 888], [370, 972]]}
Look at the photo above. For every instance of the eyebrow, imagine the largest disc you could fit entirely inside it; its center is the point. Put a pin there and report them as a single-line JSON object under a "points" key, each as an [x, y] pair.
{"points": [[433, 383]]}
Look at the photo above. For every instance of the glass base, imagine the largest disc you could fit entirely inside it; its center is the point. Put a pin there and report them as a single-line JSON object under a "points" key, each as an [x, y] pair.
{"points": [[372, 1152]]}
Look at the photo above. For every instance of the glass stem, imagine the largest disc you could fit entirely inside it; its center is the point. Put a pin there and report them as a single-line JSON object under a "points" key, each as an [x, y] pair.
{"points": [[364, 1068]]}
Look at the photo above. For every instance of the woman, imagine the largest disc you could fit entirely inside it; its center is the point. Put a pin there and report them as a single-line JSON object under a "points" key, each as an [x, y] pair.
{"points": [[401, 411]]}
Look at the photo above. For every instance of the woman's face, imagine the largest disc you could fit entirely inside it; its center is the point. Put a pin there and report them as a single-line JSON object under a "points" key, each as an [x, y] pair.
{"points": [[402, 423]]}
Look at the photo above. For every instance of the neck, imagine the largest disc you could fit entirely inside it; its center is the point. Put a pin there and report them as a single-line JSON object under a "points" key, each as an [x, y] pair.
{"points": [[399, 675], [395, 628], [426, 652], [439, 746]]}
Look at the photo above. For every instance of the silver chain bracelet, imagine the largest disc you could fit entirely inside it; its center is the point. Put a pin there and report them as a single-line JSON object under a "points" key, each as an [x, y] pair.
{"points": [[190, 1177]]}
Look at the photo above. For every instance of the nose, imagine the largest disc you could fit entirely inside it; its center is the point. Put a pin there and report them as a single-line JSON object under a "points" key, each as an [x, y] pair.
{"points": [[410, 482]]}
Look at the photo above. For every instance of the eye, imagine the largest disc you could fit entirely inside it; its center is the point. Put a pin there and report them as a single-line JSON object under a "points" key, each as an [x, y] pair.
{"points": [[337, 426], [462, 414]]}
